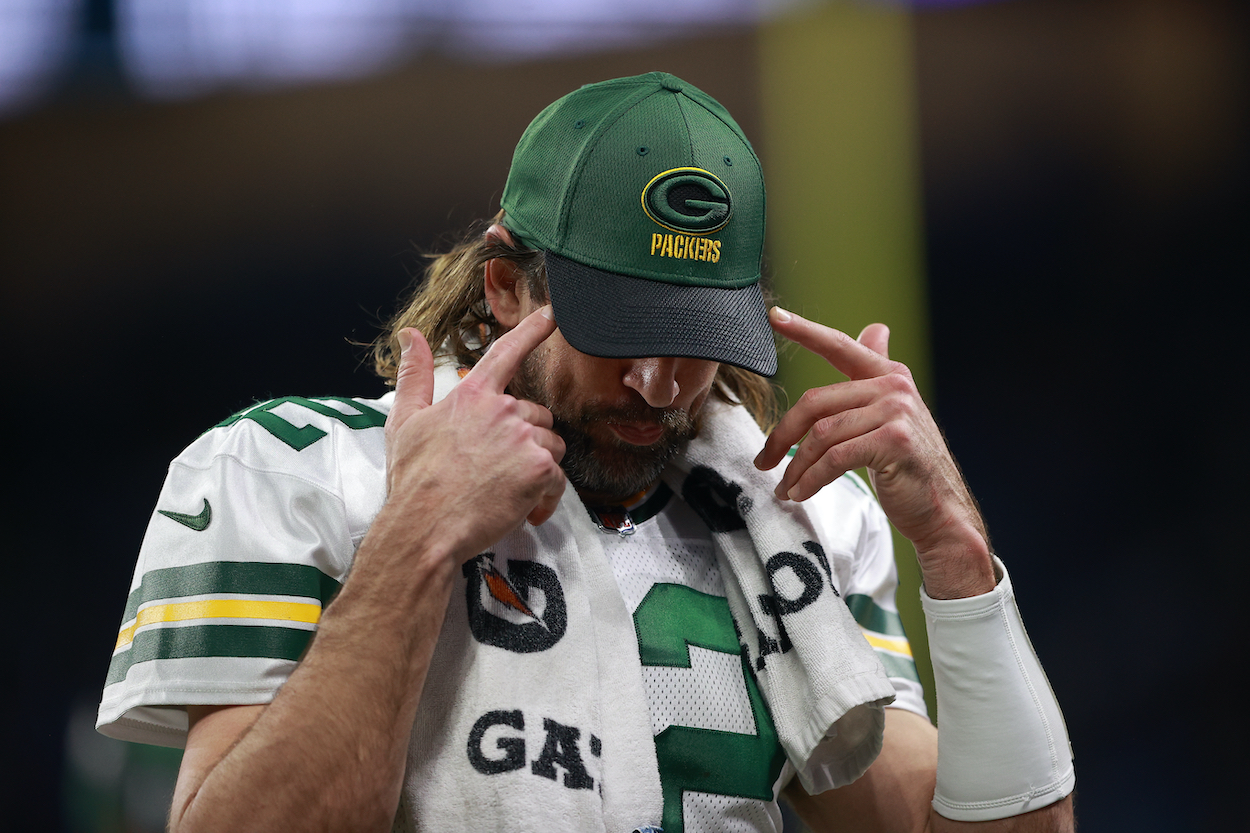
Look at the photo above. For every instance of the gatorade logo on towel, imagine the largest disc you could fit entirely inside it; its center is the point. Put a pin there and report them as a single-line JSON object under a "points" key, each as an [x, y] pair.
{"points": [[523, 612]]}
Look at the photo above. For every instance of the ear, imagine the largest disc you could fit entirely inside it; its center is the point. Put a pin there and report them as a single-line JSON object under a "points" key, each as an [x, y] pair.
{"points": [[503, 282]]}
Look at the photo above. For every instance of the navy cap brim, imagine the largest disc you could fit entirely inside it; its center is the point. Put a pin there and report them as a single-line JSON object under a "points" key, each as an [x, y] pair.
{"points": [[622, 317]]}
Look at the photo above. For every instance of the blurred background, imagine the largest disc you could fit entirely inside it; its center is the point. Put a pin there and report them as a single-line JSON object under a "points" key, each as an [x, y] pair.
{"points": [[208, 202]]}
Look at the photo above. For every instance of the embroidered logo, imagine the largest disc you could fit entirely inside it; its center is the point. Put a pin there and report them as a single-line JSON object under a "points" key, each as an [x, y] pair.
{"points": [[688, 201], [199, 522], [504, 611]]}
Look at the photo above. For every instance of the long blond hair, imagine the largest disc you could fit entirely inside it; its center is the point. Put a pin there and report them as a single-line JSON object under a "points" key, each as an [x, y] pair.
{"points": [[448, 306]]}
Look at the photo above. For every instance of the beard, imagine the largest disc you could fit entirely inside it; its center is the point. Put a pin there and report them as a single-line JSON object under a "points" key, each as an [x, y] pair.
{"points": [[596, 461]]}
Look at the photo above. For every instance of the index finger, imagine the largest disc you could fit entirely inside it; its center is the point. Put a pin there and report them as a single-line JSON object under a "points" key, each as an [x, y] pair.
{"points": [[501, 361], [836, 347]]}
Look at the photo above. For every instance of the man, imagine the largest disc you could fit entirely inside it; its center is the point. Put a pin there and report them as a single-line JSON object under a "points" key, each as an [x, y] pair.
{"points": [[669, 643]]}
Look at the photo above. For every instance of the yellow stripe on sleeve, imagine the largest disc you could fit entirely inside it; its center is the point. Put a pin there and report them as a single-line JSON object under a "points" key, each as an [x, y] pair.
{"points": [[219, 609], [885, 643]]}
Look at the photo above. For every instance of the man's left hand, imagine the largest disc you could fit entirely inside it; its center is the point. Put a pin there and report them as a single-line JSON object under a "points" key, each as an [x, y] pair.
{"points": [[878, 420]]}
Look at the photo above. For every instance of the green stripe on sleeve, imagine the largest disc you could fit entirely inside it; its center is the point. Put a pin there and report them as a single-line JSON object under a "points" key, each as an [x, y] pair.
{"points": [[210, 641], [234, 577], [896, 666], [873, 617]]}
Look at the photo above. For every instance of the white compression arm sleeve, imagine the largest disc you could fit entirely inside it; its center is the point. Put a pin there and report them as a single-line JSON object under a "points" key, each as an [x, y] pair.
{"points": [[1003, 747]]}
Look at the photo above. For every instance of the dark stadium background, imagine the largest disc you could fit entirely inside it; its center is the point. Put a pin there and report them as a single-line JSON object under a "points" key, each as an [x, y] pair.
{"points": [[1085, 219]]}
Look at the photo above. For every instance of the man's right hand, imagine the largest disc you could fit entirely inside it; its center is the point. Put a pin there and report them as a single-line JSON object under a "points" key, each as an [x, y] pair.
{"points": [[480, 460], [329, 752]]}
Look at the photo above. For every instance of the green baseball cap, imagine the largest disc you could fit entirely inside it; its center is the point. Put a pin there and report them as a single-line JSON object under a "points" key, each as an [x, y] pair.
{"points": [[649, 203]]}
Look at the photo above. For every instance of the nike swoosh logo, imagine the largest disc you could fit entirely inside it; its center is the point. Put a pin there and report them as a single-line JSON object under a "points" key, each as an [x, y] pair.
{"points": [[198, 522]]}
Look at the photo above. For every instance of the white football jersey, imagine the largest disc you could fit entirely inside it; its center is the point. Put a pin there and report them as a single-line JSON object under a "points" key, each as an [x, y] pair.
{"points": [[254, 530], [257, 525], [704, 701]]}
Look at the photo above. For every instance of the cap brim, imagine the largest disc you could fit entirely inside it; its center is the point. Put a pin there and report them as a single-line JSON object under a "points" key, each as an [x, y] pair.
{"points": [[621, 317]]}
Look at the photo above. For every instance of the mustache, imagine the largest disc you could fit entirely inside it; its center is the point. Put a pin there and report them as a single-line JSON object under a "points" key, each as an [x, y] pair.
{"points": [[675, 420]]}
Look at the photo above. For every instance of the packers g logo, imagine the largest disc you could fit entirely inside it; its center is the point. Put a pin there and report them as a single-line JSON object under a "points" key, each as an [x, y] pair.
{"points": [[688, 201]]}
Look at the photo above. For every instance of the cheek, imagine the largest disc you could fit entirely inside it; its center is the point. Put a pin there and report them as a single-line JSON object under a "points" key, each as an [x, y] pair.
{"points": [[707, 373], [565, 369], [698, 381], [563, 360]]}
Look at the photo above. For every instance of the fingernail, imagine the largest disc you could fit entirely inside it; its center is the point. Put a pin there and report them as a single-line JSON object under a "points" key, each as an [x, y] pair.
{"points": [[795, 494], [780, 315], [405, 341], [548, 313]]}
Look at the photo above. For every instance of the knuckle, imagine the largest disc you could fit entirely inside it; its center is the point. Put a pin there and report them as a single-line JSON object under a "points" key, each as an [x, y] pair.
{"points": [[808, 399], [831, 460], [896, 381], [898, 436], [534, 437], [538, 457], [554, 481], [903, 381], [896, 405], [825, 427], [499, 408]]}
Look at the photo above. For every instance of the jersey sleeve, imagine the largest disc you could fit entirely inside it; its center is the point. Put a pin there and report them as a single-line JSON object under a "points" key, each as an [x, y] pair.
{"points": [[856, 536], [849, 517], [253, 532]]}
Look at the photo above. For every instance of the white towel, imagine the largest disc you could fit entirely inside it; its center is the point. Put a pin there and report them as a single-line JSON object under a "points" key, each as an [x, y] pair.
{"points": [[534, 716], [823, 683]]}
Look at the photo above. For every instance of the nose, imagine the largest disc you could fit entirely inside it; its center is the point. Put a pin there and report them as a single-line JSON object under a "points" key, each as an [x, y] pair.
{"points": [[655, 379]]}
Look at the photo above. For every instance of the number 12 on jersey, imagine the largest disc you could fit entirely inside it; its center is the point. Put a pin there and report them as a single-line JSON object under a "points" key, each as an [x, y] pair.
{"points": [[669, 620]]}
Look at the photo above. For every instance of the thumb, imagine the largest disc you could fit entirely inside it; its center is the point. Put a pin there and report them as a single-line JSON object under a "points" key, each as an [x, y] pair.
{"points": [[414, 381], [876, 337]]}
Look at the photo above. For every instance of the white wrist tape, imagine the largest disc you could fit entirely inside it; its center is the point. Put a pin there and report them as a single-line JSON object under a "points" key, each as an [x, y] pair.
{"points": [[1003, 748]]}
